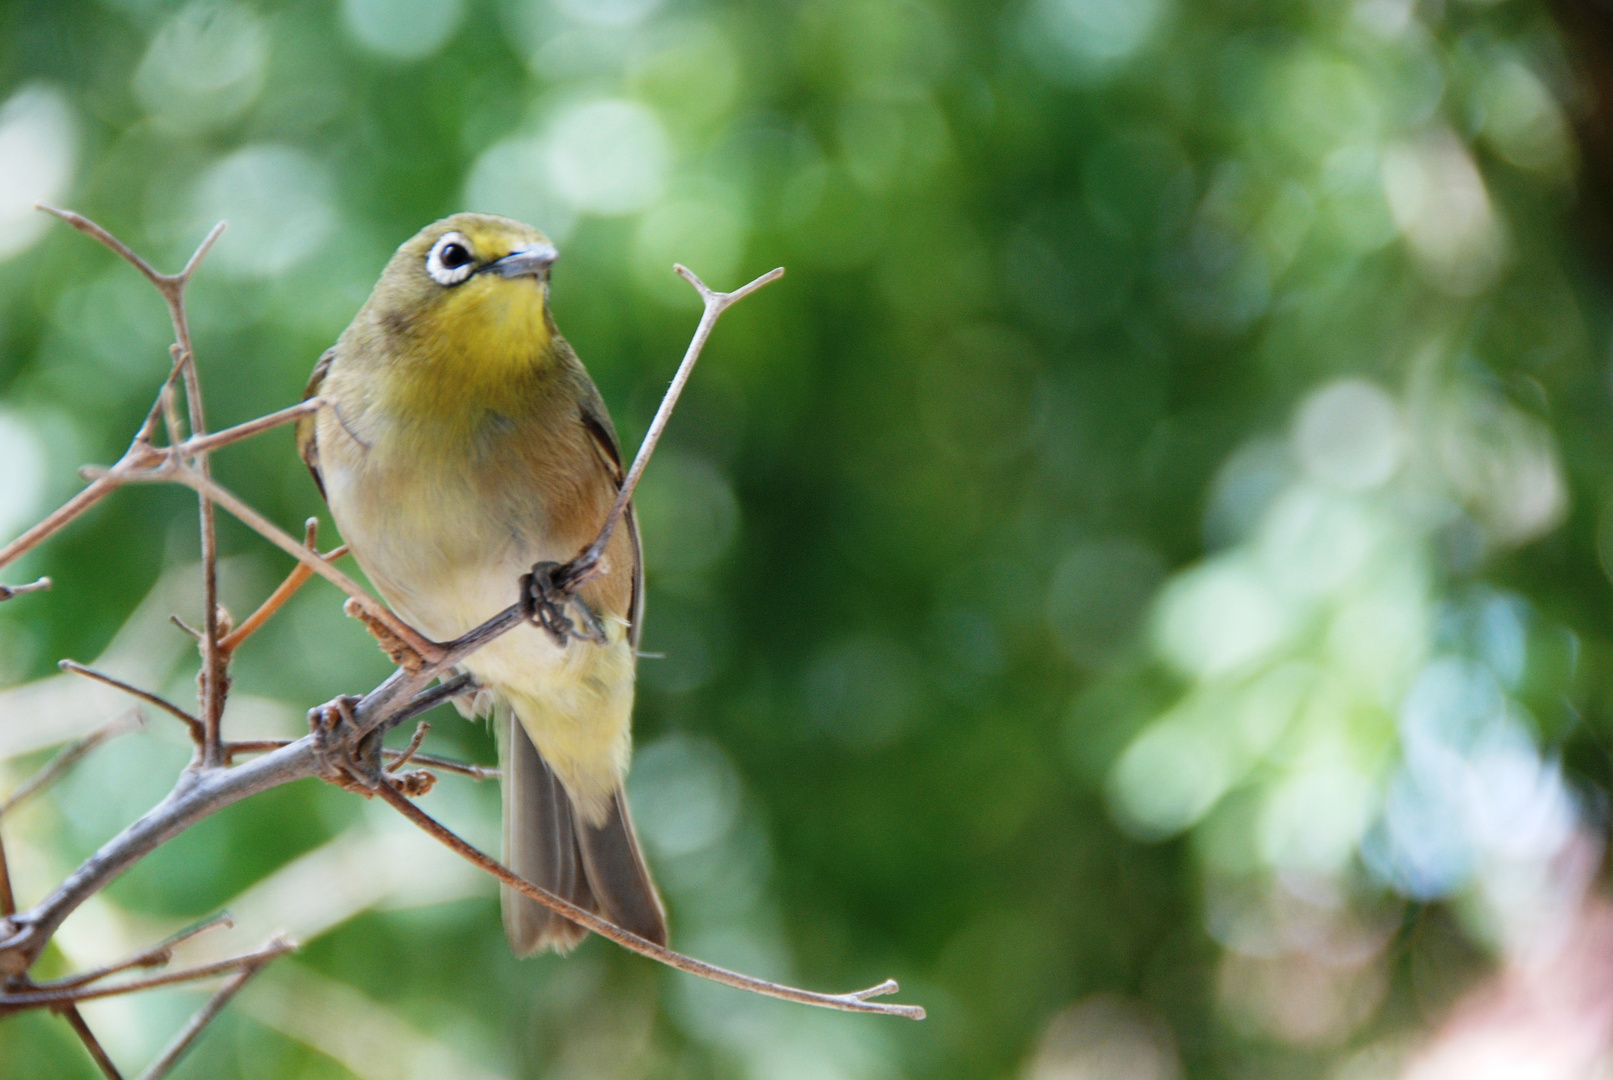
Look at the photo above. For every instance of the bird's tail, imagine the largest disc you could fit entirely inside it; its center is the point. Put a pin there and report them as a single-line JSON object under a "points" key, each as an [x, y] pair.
{"points": [[549, 844]]}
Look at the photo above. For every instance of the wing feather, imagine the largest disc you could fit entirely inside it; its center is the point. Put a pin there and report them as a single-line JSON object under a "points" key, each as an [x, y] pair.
{"points": [[308, 426]]}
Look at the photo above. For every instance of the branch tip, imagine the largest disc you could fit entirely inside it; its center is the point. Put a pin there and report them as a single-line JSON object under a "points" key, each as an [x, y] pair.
{"points": [[8, 591]]}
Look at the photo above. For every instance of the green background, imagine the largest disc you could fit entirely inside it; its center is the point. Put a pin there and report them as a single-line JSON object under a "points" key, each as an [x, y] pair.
{"points": [[1148, 546]]}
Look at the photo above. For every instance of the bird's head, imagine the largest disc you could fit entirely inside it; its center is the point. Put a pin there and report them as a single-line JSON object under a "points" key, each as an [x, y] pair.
{"points": [[473, 287]]}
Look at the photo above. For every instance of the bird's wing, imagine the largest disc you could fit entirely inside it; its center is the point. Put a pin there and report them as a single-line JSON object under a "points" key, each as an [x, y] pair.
{"points": [[596, 421], [308, 424]]}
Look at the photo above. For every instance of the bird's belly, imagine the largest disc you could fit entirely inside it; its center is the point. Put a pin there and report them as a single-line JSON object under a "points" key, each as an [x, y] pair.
{"points": [[439, 558]]}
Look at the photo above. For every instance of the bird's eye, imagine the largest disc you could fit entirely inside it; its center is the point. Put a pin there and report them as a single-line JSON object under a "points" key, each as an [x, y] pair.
{"points": [[450, 260]]}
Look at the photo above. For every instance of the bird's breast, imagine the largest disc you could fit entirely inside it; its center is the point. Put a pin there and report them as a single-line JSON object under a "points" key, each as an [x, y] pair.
{"points": [[444, 524]]}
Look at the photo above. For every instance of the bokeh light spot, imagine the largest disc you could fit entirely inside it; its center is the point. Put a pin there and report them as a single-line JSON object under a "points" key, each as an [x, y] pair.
{"points": [[512, 178], [402, 29], [1072, 40], [25, 459], [38, 148], [608, 157], [279, 203], [205, 67], [685, 795], [1348, 436], [1218, 617]]}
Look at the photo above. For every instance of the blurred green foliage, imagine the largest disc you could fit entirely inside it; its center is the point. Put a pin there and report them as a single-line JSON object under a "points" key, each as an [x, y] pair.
{"points": [[1165, 505]]}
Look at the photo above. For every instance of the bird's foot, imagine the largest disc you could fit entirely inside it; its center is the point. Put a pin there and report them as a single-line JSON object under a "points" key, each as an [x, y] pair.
{"points": [[545, 594], [349, 759]]}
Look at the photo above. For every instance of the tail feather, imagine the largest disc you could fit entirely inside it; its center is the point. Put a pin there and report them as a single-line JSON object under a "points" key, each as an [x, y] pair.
{"points": [[617, 875], [546, 842]]}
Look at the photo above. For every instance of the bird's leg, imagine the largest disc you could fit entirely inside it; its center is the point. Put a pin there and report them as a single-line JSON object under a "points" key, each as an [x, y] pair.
{"points": [[544, 595], [547, 590]]}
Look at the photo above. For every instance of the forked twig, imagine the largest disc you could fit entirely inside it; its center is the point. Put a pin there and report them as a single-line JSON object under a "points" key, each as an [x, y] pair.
{"points": [[172, 288], [586, 565]]}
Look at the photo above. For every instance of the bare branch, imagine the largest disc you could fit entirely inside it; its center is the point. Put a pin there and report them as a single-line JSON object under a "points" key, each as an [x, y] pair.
{"points": [[202, 444], [277, 536], [70, 756], [91, 1043], [72, 508], [17, 1001], [8, 591], [181, 1043], [295, 580], [586, 564], [430, 761], [856, 1001], [195, 725], [8, 899], [157, 955]]}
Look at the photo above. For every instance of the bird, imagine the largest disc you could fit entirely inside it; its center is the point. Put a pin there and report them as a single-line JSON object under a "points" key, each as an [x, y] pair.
{"points": [[461, 442]]}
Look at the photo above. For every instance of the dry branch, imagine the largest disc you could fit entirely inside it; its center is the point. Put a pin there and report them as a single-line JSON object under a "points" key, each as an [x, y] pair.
{"points": [[343, 746]]}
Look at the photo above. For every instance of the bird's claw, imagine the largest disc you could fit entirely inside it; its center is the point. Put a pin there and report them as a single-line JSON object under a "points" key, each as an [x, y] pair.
{"points": [[350, 760], [545, 594]]}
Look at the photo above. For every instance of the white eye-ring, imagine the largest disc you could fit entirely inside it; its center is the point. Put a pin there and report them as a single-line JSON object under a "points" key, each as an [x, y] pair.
{"points": [[450, 260]]}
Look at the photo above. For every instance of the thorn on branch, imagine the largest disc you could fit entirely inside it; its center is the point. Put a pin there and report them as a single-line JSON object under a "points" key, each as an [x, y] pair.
{"points": [[195, 725]]}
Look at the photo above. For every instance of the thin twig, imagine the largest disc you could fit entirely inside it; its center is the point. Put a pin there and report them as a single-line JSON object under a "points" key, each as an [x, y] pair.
{"points": [[414, 746], [69, 756], [172, 288], [16, 1001], [181, 1043], [157, 955], [8, 899], [261, 525], [856, 1001], [586, 564], [188, 719], [202, 444], [8, 591], [91, 1043], [72, 508], [295, 580], [389, 755]]}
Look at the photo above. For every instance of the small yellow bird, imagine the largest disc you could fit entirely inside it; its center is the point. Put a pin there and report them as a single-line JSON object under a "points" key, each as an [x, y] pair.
{"points": [[463, 443]]}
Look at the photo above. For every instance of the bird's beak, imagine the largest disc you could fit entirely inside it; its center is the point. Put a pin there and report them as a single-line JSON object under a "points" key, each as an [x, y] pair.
{"points": [[528, 262]]}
